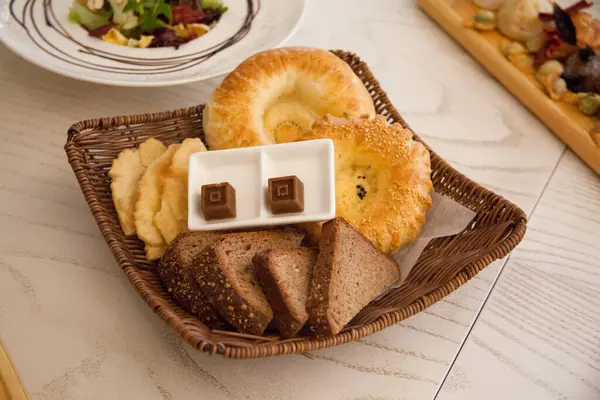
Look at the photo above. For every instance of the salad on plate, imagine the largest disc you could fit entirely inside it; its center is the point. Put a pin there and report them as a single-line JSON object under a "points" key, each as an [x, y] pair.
{"points": [[147, 23]]}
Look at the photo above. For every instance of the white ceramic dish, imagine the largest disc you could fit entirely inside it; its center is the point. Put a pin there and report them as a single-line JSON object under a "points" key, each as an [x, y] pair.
{"points": [[248, 170], [66, 48]]}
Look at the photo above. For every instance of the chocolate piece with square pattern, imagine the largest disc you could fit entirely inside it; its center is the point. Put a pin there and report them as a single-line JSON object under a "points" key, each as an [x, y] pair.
{"points": [[286, 195], [218, 201]]}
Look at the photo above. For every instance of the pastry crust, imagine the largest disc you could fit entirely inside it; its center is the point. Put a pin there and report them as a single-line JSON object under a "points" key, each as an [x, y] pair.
{"points": [[382, 179], [276, 95]]}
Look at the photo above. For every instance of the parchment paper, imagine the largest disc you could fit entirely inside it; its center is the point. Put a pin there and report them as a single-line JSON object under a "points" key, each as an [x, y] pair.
{"points": [[445, 218]]}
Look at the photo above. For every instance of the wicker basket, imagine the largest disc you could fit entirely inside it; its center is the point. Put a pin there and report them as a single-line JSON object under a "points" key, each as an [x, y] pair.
{"points": [[446, 263]]}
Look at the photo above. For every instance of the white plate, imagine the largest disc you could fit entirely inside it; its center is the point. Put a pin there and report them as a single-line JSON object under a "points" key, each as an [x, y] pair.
{"points": [[248, 170], [66, 48]]}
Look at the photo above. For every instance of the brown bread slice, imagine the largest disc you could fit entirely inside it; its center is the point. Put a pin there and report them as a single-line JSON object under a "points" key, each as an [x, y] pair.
{"points": [[226, 276], [175, 271], [349, 274], [285, 275]]}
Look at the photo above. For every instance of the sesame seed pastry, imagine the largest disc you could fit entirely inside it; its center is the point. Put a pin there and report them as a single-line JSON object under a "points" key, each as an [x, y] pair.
{"points": [[382, 179]]}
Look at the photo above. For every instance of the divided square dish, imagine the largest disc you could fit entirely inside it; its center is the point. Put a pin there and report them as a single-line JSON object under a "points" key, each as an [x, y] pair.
{"points": [[249, 169], [496, 229]]}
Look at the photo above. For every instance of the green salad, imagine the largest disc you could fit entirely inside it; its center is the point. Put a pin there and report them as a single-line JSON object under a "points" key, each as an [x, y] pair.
{"points": [[147, 23]]}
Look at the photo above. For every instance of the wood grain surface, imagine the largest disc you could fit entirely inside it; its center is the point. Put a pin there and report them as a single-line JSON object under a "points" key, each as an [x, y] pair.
{"points": [[539, 333], [73, 325], [564, 119]]}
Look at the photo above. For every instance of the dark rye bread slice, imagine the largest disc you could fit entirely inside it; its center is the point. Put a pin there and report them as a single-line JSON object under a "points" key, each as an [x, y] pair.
{"points": [[175, 271], [349, 274], [285, 275], [226, 276]]}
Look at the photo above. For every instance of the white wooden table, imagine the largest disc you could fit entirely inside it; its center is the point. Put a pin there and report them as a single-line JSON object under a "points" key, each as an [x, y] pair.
{"points": [[76, 329]]}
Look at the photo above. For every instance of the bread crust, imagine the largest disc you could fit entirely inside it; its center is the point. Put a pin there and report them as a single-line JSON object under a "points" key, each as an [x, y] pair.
{"points": [[322, 322], [287, 323], [179, 280], [319, 298], [222, 291], [223, 296], [278, 87]]}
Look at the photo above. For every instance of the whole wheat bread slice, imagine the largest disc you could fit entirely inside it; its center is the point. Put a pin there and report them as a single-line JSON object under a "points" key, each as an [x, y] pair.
{"points": [[226, 276], [285, 275], [176, 272], [350, 273]]}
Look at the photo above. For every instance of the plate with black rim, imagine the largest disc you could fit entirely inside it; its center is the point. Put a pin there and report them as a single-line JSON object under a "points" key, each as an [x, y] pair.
{"points": [[42, 32]]}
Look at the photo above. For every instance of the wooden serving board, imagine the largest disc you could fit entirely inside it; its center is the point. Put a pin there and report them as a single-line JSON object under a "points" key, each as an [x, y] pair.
{"points": [[565, 120], [11, 387]]}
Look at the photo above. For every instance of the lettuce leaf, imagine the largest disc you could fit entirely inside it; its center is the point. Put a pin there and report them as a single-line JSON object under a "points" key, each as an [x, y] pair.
{"points": [[216, 4], [134, 5], [74, 16], [80, 14], [149, 12], [125, 19]]}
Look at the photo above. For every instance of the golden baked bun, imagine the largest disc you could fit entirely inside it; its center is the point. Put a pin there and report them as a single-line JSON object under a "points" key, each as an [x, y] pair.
{"points": [[276, 95], [382, 179]]}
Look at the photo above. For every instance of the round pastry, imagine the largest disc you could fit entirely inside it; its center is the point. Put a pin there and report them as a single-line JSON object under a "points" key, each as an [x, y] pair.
{"points": [[276, 95], [519, 19], [382, 179]]}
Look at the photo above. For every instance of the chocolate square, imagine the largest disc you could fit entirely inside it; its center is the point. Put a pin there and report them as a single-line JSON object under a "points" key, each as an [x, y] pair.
{"points": [[286, 195], [218, 201]]}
